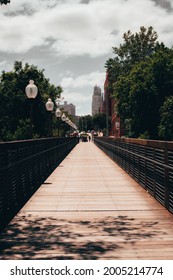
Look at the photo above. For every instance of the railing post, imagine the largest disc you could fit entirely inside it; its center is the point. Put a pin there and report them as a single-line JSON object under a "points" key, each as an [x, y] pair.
{"points": [[154, 172], [145, 184], [166, 177], [138, 165]]}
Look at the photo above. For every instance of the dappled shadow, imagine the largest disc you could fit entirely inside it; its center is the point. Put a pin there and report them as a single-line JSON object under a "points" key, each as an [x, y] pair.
{"points": [[34, 237]]}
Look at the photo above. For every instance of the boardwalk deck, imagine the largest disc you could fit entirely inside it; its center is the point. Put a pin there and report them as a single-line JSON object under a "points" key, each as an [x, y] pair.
{"points": [[89, 208]]}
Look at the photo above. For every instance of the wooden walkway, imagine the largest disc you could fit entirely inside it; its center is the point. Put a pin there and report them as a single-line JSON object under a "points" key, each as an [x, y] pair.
{"points": [[89, 208]]}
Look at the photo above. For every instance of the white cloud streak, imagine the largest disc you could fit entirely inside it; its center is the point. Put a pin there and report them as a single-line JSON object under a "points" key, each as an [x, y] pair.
{"points": [[78, 29], [83, 80], [78, 90], [67, 29]]}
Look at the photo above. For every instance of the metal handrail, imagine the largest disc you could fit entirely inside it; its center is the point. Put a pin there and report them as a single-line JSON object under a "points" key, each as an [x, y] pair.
{"points": [[32, 157], [24, 166], [140, 156], [154, 176]]}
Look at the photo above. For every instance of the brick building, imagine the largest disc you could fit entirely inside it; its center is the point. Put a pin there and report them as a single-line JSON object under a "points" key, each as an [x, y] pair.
{"points": [[110, 111]]}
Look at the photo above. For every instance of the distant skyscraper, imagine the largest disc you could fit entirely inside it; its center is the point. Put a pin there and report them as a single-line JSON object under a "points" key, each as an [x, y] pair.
{"points": [[97, 101]]}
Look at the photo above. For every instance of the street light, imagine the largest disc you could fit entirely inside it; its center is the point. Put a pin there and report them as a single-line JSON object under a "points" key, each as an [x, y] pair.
{"points": [[58, 113], [31, 91], [63, 117], [49, 107]]}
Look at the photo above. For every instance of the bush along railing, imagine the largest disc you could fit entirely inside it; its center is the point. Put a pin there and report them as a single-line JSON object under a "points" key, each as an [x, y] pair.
{"points": [[149, 162], [24, 166]]}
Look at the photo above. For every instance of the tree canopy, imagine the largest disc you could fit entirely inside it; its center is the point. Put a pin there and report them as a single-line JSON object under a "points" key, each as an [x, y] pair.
{"points": [[136, 47], [5, 2], [166, 122], [15, 110], [99, 121], [85, 123], [140, 78]]}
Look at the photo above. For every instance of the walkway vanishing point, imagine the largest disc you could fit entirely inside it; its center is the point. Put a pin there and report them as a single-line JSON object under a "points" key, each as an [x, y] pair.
{"points": [[89, 208]]}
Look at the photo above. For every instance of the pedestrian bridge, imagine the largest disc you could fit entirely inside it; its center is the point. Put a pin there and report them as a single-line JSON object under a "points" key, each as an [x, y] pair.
{"points": [[89, 208]]}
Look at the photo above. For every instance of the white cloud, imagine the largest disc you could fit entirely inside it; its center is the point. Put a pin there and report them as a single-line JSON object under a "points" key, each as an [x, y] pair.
{"points": [[81, 100], [79, 90], [76, 97], [2, 63], [53, 33], [84, 80], [75, 28]]}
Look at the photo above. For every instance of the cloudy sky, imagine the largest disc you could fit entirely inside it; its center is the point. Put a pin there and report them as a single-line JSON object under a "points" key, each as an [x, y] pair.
{"points": [[72, 39]]}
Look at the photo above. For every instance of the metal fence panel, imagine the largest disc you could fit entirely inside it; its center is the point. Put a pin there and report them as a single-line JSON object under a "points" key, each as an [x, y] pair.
{"points": [[149, 162], [24, 165]]}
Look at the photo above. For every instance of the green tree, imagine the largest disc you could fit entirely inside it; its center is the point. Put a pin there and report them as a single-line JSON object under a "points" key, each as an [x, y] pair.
{"points": [[114, 70], [136, 99], [141, 93], [5, 2], [166, 124], [85, 123], [136, 47], [140, 78], [15, 112], [99, 121]]}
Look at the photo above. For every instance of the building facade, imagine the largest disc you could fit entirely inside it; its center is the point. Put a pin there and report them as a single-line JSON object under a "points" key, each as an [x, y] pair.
{"points": [[70, 109], [97, 101], [109, 105]]}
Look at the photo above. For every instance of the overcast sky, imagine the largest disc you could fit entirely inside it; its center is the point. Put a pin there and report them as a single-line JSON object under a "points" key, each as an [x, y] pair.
{"points": [[72, 39]]}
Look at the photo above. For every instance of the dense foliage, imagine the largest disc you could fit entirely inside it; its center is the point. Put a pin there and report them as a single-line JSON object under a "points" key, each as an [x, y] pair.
{"points": [[141, 80], [15, 121], [166, 122], [89, 123], [5, 2], [85, 123]]}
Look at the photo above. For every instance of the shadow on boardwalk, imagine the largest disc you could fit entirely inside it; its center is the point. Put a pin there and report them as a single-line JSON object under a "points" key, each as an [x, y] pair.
{"points": [[34, 237]]}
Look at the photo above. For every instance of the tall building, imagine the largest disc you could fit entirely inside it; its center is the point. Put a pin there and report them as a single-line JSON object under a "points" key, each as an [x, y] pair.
{"points": [[69, 108], [97, 101]]}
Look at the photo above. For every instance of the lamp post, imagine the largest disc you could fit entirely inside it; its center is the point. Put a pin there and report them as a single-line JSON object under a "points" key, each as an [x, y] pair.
{"points": [[63, 117], [49, 107], [107, 116], [117, 126], [31, 91], [58, 114]]}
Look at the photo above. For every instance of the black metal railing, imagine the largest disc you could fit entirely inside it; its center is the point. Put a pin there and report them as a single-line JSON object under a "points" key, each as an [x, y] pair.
{"points": [[149, 162], [24, 166]]}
